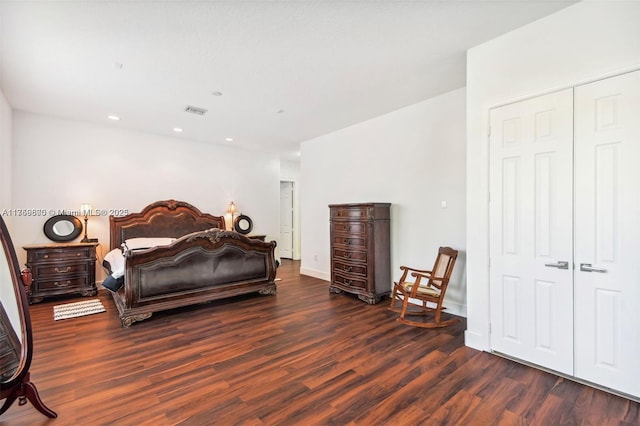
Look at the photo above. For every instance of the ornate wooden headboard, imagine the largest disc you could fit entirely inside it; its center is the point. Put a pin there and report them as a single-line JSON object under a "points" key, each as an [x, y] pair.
{"points": [[168, 218]]}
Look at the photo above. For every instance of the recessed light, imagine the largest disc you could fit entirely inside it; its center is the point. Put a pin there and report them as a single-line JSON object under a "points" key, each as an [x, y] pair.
{"points": [[113, 117], [177, 129], [280, 111], [228, 139], [216, 93]]}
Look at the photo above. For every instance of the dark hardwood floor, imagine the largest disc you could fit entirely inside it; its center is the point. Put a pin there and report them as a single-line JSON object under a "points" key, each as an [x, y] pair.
{"points": [[303, 357]]}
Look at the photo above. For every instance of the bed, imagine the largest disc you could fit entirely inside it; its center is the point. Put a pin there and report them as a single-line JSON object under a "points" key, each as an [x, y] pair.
{"points": [[202, 261]]}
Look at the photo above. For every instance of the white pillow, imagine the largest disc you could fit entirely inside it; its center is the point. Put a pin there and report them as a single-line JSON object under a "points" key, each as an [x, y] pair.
{"points": [[116, 262], [144, 243]]}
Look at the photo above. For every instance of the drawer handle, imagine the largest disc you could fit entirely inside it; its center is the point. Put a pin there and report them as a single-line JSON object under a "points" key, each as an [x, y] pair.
{"points": [[67, 269], [347, 241], [78, 254], [347, 255], [347, 268], [46, 256], [347, 282], [346, 228], [58, 284]]}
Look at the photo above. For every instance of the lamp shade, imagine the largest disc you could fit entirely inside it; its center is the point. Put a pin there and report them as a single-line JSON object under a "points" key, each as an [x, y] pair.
{"points": [[232, 208], [85, 209]]}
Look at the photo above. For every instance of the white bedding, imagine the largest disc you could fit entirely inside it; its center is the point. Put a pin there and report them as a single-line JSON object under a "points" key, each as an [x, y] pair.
{"points": [[116, 262], [146, 242], [116, 258]]}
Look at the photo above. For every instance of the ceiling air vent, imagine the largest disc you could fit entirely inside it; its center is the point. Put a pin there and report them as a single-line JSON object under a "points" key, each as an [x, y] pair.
{"points": [[195, 110]]}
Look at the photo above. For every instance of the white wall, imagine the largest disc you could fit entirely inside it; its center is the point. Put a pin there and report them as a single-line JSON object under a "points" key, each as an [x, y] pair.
{"points": [[290, 172], [59, 164], [413, 158], [6, 115], [583, 42]]}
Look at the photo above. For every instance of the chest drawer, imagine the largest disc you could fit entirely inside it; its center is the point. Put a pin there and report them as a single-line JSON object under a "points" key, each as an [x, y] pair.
{"points": [[355, 256], [349, 268], [350, 281], [351, 228], [350, 241], [349, 212]]}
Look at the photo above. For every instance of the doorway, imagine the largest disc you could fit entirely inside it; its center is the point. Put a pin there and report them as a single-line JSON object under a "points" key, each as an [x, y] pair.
{"points": [[286, 219]]}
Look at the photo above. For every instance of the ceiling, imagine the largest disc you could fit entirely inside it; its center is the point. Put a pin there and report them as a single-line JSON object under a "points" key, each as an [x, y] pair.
{"points": [[271, 74]]}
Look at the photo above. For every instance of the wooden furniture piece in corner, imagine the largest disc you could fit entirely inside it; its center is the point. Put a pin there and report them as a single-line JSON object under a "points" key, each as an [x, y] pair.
{"points": [[360, 250], [427, 287], [10, 347], [15, 380], [61, 269]]}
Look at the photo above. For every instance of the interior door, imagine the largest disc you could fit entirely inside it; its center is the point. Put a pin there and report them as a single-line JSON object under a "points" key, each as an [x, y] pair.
{"points": [[531, 276], [286, 220], [607, 232]]}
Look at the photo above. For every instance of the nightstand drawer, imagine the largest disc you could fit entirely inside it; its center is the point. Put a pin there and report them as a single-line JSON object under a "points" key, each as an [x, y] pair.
{"points": [[47, 271], [60, 254], [63, 283]]}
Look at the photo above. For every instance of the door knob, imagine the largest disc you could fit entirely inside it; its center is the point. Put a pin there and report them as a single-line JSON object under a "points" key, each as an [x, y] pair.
{"points": [[586, 267], [559, 265]]}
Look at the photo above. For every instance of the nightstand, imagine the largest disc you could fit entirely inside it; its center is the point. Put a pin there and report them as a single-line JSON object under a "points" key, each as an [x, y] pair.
{"points": [[61, 269]]}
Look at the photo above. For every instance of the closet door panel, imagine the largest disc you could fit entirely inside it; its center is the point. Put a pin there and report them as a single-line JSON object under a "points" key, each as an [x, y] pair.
{"points": [[530, 230], [607, 236]]}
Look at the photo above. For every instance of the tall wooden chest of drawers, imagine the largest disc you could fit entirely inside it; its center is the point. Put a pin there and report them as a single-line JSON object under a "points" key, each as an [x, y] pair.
{"points": [[360, 250], [61, 269]]}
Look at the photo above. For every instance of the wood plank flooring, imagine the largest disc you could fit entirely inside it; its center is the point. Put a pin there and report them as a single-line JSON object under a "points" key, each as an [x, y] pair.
{"points": [[303, 357]]}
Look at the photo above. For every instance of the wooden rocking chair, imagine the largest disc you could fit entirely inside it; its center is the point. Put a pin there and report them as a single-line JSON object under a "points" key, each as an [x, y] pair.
{"points": [[428, 286]]}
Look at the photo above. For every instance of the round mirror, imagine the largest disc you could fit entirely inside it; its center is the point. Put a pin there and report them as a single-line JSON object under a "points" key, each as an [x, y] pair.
{"points": [[243, 224], [62, 227]]}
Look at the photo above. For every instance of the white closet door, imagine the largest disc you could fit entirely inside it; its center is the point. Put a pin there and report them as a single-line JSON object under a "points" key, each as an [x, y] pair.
{"points": [[531, 156], [607, 232]]}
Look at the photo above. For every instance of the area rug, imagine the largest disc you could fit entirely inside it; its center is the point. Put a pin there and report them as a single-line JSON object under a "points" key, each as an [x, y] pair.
{"points": [[77, 309]]}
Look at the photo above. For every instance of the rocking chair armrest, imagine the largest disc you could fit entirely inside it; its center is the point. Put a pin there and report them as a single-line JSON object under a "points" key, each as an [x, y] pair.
{"points": [[436, 281], [423, 275], [406, 269], [423, 271]]}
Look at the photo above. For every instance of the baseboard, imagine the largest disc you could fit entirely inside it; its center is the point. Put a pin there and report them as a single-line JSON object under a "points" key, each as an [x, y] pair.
{"points": [[476, 341], [455, 308], [451, 307], [315, 274]]}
